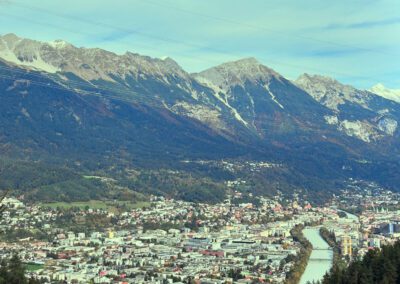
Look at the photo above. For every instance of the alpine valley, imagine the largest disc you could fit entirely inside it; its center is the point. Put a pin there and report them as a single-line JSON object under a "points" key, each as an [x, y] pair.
{"points": [[86, 123]]}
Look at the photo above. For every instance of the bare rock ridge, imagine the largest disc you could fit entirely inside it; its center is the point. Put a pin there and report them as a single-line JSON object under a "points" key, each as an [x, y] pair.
{"points": [[87, 63]]}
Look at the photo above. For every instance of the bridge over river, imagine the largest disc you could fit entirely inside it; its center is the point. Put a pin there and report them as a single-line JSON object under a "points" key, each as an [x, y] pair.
{"points": [[322, 254], [320, 259], [319, 248]]}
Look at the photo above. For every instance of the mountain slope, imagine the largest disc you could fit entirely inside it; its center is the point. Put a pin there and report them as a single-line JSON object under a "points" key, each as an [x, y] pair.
{"points": [[357, 113], [41, 119], [129, 76], [259, 96], [94, 110]]}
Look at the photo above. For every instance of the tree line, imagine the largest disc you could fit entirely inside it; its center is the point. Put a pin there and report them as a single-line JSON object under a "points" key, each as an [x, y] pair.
{"points": [[12, 271], [377, 266]]}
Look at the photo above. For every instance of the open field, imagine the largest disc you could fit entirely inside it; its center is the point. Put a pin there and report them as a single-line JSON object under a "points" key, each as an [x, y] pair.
{"points": [[33, 266]]}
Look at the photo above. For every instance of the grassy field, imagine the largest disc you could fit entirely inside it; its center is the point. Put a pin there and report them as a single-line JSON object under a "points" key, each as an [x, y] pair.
{"points": [[98, 204], [33, 267]]}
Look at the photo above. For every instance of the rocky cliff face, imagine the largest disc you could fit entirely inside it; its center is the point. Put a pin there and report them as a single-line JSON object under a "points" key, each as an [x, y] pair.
{"points": [[357, 113]]}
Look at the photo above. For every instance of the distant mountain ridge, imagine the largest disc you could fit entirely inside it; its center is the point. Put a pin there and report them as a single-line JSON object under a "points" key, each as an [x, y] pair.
{"points": [[358, 113], [94, 107], [386, 93]]}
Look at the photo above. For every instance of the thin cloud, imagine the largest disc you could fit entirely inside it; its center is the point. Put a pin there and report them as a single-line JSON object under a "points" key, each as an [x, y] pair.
{"points": [[113, 36], [364, 24], [338, 39], [333, 52]]}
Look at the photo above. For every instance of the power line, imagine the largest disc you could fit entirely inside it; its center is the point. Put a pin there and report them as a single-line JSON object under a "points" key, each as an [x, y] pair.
{"points": [[109, 26], [168, 39], [132, 100], [191, 45], [75, 83], [96, 23], [125, 43], [258, 27]]}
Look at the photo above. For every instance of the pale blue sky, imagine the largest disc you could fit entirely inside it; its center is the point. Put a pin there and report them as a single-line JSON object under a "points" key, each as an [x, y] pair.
{"points": [[357, 42]]}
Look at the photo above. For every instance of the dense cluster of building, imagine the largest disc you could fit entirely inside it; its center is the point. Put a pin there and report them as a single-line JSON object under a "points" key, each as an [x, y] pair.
{"points": [[173, 241], [225, 243], [377, 222]]}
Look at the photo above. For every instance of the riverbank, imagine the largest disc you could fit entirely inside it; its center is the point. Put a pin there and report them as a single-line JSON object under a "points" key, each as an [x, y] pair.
{"points": [[349, 215], [302, 258], [338, 260], [321, 258]]}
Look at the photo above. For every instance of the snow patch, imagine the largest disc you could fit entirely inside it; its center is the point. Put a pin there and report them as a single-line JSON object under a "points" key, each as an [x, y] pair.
{"points": [[25, 113], [217, 91], [77, 118], [273, 97]]}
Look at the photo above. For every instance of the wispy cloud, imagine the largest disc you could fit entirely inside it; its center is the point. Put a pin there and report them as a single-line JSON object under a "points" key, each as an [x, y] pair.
{"points": [[112, 36], [364, 24], [335, 38], [328, 52]]}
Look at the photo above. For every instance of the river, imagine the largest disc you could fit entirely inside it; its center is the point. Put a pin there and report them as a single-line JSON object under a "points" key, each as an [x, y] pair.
{"points": [[320, 259], [350, 216]]}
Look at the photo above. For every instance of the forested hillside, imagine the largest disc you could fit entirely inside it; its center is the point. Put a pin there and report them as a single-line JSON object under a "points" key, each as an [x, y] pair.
{"points": [[377, 266]]}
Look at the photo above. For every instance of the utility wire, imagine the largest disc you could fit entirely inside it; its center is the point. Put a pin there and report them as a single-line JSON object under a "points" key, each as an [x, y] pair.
{"points": [[258, 27], [168, 39], [128, 92], [131, 100], [125, 43], [165, 39], [75, 83]]}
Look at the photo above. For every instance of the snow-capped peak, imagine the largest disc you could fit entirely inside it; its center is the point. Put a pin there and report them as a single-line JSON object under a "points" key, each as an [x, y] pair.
{"points": [[386, 93]]}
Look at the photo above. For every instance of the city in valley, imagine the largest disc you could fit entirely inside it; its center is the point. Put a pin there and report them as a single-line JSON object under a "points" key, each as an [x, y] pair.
{"points": [[199, 142], [244, 239]]}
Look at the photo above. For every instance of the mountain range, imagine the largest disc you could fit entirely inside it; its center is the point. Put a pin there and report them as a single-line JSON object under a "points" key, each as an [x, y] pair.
{"points": [[91, 110]]}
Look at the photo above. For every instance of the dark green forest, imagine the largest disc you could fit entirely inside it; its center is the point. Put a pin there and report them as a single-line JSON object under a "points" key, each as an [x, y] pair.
{"points": [[377, 266], [45, 182], [12, 271]]}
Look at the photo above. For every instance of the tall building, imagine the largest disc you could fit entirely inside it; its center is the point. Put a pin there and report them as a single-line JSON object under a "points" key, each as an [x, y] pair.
{"points": [[346, 246]]}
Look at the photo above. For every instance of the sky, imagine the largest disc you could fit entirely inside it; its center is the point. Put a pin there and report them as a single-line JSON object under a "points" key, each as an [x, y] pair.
{"points": [[355, 41]]}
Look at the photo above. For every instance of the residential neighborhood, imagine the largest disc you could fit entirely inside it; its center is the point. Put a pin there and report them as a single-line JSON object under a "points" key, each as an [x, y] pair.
{"points": [[172, 241]]}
